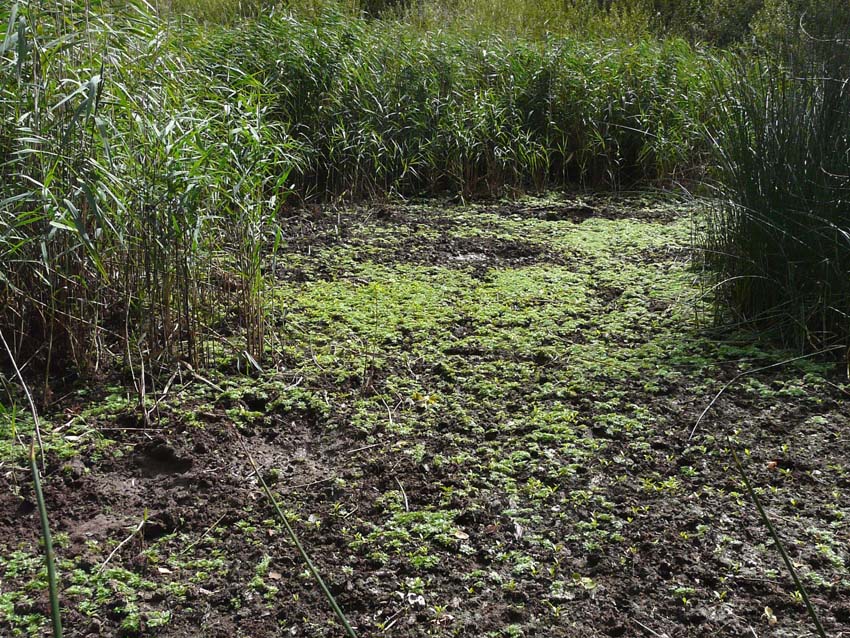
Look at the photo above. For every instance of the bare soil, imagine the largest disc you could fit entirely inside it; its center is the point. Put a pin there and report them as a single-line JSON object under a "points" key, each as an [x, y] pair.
{"points": [[563, 499]]}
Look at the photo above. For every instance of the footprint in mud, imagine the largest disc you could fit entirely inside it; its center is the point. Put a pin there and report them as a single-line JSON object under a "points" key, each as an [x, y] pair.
{"points": [[160, 457]]}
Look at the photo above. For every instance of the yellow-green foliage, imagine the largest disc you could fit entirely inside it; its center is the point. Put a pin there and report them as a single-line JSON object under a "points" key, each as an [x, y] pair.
{"points": [[624, 20], [213, 11], [715, 22]]}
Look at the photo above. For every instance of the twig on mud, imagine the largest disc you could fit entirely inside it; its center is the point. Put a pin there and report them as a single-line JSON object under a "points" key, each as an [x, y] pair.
{"points": [[392, 620], [12, 468], [650, 630], [297, 542], [389, 412], [838, 387], [755, 579], [202, 536], [403, 493], [118, 547], [365, 447], [748, 372], [409, 369], [198, 377], [316, 361], [311, 483]]}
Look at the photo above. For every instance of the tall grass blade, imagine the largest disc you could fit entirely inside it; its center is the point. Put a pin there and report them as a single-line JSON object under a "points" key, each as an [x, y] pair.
{"points": [[49, 554], [779, 242], [304, 555], [779, 544]]}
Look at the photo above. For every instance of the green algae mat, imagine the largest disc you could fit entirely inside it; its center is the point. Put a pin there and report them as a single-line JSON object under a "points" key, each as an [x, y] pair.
{"points": [[478, 420]]}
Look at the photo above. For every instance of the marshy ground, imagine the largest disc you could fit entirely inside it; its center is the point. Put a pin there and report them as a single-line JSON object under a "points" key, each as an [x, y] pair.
{"points": [[478, 420]]}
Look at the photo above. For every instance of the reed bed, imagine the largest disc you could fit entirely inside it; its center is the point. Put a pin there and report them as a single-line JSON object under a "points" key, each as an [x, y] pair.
{"points": [[377, 107], [779, 241], [135, 191], [146, 159]]}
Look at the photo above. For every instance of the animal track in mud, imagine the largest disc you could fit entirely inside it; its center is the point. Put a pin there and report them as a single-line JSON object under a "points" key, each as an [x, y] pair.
{"points": [[160, 457]]}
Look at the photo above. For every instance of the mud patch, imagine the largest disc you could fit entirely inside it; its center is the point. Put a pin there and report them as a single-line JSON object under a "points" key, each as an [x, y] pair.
{"points": [[500, 458], [477, 253], [581, 208]]}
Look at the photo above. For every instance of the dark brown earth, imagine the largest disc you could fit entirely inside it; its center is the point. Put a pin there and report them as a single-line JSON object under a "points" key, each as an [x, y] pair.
{"points": [[689, 557]]}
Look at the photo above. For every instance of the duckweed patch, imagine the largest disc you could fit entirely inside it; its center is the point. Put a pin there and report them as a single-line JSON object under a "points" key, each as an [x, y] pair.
{"points": [[477, 417]]}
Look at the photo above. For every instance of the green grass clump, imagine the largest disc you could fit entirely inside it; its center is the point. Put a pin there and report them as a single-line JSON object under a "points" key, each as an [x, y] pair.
{"points": [[780, 240]]}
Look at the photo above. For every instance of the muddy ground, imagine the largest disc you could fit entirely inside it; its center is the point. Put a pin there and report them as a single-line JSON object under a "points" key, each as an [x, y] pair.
{"points": [[478, 420]]}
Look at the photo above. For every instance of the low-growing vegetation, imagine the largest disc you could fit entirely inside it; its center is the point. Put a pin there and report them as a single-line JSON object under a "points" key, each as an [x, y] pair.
{"points": [[278, 372], [478, 424]]}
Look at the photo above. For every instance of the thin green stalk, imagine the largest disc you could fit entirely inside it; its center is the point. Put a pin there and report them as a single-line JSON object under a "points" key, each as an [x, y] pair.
{"points": [[292, 535], [49, 555], [788, 564]]}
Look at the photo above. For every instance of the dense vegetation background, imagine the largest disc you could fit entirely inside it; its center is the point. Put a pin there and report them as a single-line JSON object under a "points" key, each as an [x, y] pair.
{"points": [[148, 150], [151, 154]]}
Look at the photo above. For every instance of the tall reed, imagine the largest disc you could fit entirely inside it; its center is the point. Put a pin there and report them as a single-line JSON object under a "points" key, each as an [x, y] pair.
{"points": [[780, 240], [125, 192]]}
